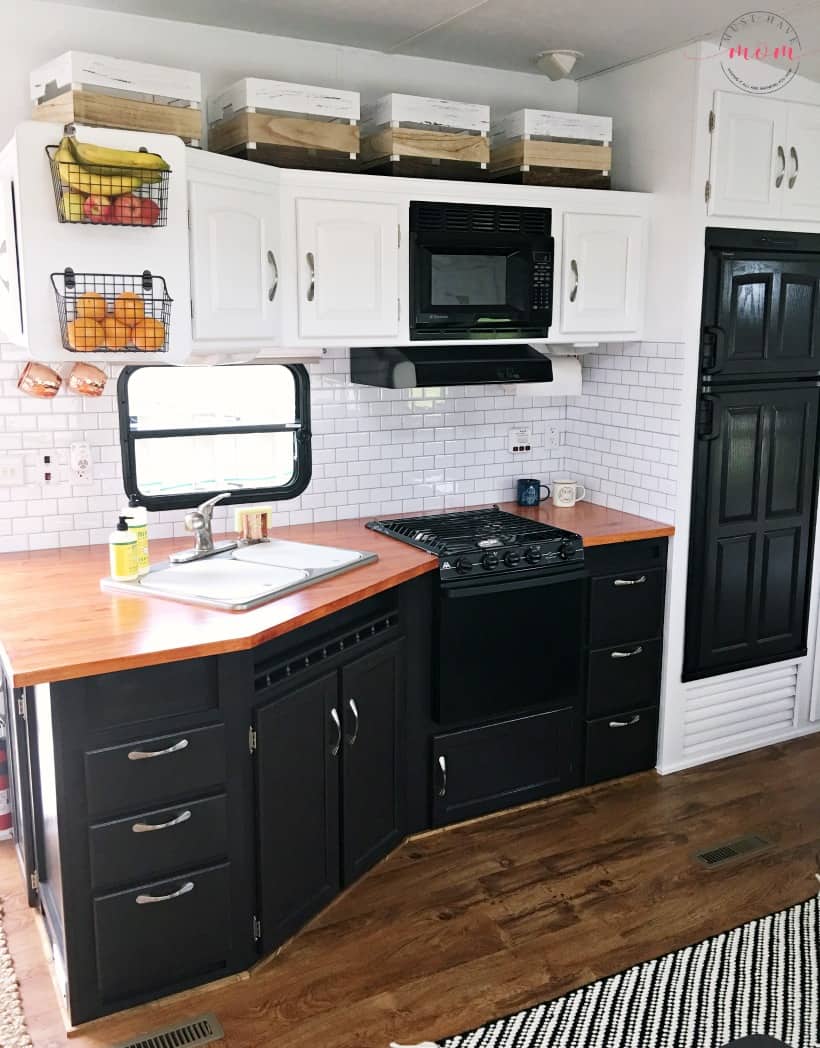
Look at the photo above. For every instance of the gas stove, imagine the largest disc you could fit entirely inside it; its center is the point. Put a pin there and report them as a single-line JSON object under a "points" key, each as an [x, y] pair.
{"points": [[485, 543]]}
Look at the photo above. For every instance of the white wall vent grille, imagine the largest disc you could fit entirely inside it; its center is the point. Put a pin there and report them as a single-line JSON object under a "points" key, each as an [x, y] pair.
{"points": [[725, 713]]}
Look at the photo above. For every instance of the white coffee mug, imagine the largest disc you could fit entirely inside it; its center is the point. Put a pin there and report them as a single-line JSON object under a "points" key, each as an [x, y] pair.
{"points": [[566, 492]]}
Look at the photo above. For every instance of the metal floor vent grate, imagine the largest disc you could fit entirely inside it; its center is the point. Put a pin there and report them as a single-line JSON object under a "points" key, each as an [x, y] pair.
{"points": [[736, 849], [202, 1030]]}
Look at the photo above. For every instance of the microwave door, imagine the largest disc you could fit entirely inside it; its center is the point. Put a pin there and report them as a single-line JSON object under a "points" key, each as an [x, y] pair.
{"points": [[469, 290]]}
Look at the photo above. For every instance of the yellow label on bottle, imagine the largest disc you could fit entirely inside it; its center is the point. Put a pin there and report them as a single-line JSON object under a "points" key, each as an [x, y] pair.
{"points": [[123, 560], [140, 533]]}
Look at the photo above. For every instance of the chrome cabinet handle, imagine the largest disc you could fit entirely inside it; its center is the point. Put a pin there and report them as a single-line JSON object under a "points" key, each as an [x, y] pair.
{"points": [[625, 723], [442, 763], [145, 900], [146, 755], [630, 582], [311, 261], [781, 156], [149, 827], [354, 709], [626, 654], [275, 271], [573, 265], [796, 172], [334, 749]]}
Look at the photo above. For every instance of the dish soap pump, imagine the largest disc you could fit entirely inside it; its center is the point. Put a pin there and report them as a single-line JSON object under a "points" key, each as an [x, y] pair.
{"points": [[137, 517], [122, 553]]}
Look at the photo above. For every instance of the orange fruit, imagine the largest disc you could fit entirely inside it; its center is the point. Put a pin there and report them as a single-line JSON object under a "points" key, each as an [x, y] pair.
{"points": [[129, 307], [117, 335], [90, 305], [149, 334], [85, 334]]}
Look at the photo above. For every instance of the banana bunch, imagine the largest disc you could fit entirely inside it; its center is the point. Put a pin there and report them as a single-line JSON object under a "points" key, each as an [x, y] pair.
{"points": [[92, 169]]}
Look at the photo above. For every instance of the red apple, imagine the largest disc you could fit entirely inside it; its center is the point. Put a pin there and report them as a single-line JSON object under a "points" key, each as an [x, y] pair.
{"points": [[131, 210], [97, 209]]}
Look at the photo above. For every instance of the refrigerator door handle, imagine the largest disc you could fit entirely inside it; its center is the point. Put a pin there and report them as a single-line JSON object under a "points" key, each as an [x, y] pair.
{"points": [[717, 338], [709, 404]]}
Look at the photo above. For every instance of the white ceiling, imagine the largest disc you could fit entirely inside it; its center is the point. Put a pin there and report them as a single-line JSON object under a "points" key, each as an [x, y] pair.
{"points": [[505, 34]]}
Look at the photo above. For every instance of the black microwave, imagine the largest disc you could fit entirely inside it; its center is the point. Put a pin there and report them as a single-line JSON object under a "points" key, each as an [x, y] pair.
{"points": [[480, 271]]}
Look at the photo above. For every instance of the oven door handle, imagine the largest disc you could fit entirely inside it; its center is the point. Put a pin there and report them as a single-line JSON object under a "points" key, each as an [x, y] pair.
{"points": [[457, 593]]}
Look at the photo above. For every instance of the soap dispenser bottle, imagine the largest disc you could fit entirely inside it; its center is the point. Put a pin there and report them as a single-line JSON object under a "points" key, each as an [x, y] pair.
{"points": [[122, 553], [137, 517]]}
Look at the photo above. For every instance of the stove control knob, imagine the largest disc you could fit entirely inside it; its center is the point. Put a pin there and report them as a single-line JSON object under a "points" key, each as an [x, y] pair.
{"points": [[512, 558], [463, 565], [489, 561], [533, 555], [565, 550]]}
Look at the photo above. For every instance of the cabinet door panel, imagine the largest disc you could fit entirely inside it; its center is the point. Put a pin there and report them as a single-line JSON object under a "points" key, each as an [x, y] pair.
{"points": [[232, 275], [602, 273], [297, 797], [372, 781], [348, 264], [801, 193], [621, 745], [748, 156]]}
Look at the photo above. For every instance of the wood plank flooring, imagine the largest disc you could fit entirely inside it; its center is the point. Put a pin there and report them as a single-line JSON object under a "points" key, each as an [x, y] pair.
{"points": [[463, 926]]}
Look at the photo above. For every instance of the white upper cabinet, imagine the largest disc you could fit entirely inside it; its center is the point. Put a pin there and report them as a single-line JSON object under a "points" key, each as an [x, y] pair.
{"points": [[603, 274], [234, 244], [801, 192], [765, 160], [347, 257]]}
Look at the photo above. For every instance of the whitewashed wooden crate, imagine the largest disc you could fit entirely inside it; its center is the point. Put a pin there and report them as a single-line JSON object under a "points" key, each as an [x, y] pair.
{"points": [[100, 91], [542, 147], [543, 123], [294, 125]]}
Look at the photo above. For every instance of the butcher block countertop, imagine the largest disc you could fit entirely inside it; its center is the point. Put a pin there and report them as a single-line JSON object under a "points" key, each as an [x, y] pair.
{"points": [[57, 624]]}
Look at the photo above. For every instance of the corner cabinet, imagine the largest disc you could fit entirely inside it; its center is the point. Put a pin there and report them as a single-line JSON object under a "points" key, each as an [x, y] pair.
{"points": [[603, 274], [347, 257]]}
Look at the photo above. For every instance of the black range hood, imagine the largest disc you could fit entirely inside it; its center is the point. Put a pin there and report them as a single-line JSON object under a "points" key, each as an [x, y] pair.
{"points": [[408, 367]]}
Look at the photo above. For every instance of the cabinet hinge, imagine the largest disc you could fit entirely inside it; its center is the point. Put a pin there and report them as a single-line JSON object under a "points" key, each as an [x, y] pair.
{"points": [[189, 218], [35, 881], [711, 121], [21, 707], [707, 191], [251, 740], [192, 309], [399, 240], [257, 929], [398, 309]]}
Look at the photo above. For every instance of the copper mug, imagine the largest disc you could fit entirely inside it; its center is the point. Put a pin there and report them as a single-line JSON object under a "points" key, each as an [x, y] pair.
{"points": [[87, 380], [38, 380]]}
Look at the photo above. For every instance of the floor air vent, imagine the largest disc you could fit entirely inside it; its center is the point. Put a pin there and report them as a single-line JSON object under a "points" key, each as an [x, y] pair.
{"points": [[202, 1030], [736, 849]]}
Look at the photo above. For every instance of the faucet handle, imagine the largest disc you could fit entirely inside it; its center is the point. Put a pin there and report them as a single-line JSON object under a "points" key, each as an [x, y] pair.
{"points": [[207, 508]]}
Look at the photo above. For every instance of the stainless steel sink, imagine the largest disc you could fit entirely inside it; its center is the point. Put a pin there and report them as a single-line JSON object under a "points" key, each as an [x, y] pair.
{"points": [[247, 577]]}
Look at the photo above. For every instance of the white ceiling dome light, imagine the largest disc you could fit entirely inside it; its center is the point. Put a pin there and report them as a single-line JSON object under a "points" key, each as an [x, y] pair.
{"points": [[559, 63]]}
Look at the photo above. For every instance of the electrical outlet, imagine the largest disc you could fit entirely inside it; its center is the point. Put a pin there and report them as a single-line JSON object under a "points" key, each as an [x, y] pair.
{"points": [[82, 470], [12, 474], [553, 441], [520, 440]]}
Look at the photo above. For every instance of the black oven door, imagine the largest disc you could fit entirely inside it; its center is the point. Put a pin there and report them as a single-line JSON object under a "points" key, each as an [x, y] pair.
{"points": [[509, 647]]}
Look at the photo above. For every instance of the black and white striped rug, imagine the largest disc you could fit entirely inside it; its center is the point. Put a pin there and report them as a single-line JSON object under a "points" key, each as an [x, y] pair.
{"points": [[759, 978]]}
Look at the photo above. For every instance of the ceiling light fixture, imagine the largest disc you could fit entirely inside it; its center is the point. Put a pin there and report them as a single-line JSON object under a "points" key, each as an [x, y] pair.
{"points": [[557, 64]]}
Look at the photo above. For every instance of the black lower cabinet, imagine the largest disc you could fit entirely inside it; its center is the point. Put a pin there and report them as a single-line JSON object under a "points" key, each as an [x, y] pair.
{"points": [[297, 804], [499, 765]]}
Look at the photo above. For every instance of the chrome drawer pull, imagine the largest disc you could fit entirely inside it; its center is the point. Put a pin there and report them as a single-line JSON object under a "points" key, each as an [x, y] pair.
{"points": [[147, 827], [354, 709], [144, 900], [626, 723], [626, 654], [275, 274], [144, 755], [630, 582], [781, 156], [334, 716], [311, 262], [442, 763]]}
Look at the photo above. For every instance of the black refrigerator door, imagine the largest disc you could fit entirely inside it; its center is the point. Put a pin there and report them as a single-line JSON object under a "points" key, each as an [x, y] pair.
{"points": [[752, 527], [760, 314]]}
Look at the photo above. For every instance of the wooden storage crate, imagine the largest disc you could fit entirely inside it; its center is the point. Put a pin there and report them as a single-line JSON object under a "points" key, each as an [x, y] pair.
{"points": [[426, 138], [98, 91], [290, 125], [538, 147]]}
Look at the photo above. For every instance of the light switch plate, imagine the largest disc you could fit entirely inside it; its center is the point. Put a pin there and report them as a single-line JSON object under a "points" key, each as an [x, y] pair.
{"points": [[520, 440], [12, 471]]}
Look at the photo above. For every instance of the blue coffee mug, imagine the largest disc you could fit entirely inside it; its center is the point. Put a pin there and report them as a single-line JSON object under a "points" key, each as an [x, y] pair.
{"points": [[529, 492]]}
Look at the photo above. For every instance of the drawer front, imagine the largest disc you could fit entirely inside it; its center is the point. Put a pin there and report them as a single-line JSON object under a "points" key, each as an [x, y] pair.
{"points": [[500, 765], [624, 678], [621, 745], [158, 843], [626, 606], [164, 933], [156, 771]]}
